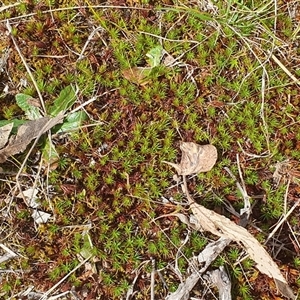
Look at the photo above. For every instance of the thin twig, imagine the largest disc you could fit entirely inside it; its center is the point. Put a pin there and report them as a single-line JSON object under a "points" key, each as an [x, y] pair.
{"points": [[284, 69], [44, 297], [152, 285], [9, 6], [282, 220], [254, 155], [9, 28]]}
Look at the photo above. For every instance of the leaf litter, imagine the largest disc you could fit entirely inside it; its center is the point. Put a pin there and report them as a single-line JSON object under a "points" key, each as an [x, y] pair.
{"points": [[26, 133], [201, 158]]}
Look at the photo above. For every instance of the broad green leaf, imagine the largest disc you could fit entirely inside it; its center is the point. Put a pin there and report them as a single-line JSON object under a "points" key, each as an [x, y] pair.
{"points": [[32, 112], [73, 121], [64, 101], [154, 56]]}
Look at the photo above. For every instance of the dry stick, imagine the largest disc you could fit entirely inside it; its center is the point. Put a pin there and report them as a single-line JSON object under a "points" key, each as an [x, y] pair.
{"points": [[253, 155], [152, 296], [9, 28], [44, 297], [286, 195], [90, 37], [9, 6], [296, 242], [92, 100], [262, 113], [287, 72]]}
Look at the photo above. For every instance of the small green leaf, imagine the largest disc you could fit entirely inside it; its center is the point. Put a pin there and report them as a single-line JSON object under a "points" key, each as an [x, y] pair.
{"points": [[73, 121], [64, 101], [154, 56], [32, 112]]}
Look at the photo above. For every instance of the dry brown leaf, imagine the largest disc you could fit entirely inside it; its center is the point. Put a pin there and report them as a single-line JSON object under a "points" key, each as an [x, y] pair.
{"points": [[137, 75], [4, 134], [26, 133], [223, 227], [195, 158]]}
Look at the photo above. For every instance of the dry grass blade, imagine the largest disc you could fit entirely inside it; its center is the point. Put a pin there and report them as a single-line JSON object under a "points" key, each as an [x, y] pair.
{"points": [[9, 6], [45, 296], [8, 255], [283, 67]]}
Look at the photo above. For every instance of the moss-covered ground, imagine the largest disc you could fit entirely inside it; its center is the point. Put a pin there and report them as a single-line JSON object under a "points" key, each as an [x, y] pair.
{"points": [[221, 72]]}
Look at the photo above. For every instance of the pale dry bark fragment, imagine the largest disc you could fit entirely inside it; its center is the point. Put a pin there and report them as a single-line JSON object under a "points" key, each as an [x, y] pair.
{"points": [[220, 279]]}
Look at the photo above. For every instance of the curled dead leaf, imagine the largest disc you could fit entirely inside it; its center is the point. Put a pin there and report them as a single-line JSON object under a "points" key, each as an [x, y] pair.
{"points": [[223, 227], [195, 158], [26, 133]]}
